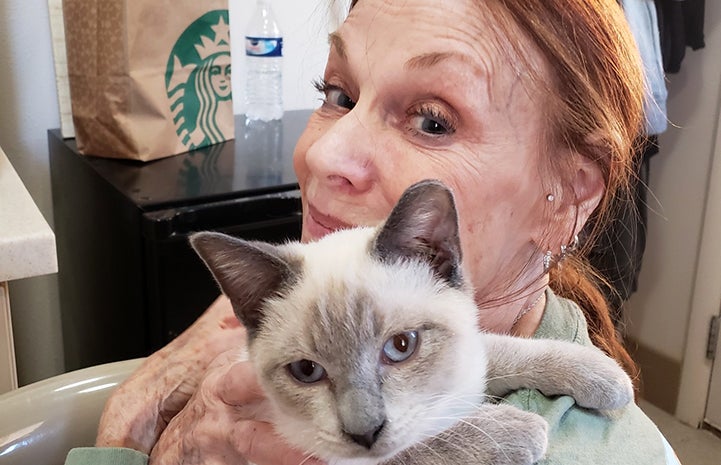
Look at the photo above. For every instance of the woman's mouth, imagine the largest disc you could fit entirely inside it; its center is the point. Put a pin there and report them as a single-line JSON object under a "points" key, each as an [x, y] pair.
{"points": [[319, 224]]}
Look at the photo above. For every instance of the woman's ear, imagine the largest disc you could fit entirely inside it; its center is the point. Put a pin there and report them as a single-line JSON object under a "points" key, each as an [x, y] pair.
{"points": [[588, 187], [581, 190]]}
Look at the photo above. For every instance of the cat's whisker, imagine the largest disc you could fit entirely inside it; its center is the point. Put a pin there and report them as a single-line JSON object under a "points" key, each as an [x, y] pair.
{"points": [[307, 457], [434, 452], [471, 416], [509, 375], [480, 430], [475, 401], [448, 442], [505, 426], [442, 400]]}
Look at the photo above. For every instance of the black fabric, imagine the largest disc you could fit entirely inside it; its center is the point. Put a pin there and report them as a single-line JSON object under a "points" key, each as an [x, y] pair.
{"points": [[618, 252], [671, 30], [693, 11], [680, 24]]}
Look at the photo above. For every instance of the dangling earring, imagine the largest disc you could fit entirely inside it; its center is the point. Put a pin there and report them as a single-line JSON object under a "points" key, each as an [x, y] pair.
{"points": [[574, 243], [547, 261], [565, 249]]}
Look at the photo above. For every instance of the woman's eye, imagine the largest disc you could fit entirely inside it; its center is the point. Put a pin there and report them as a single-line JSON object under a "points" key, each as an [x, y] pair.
{"points": [[339, 98], [432, 127], [400, 346], [334, 95], [431, 121], [306, 371]]}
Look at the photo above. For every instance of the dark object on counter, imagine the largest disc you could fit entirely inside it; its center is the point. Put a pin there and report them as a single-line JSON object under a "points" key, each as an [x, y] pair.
{"points": [[129, 281]]}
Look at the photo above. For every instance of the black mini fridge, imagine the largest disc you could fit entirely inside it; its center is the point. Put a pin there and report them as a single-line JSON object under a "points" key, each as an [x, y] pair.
{"points": [[129, 281]]}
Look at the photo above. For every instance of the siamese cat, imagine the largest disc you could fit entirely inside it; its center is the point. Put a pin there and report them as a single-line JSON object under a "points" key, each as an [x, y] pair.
{"points": [[367, 345]]}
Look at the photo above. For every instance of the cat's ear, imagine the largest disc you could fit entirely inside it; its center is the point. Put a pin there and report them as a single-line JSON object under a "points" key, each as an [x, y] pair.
{"points": [[247, 272], [424, 225]]}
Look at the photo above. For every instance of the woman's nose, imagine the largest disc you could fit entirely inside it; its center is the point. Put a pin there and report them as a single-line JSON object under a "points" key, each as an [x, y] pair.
{"points": [[344, 155]]}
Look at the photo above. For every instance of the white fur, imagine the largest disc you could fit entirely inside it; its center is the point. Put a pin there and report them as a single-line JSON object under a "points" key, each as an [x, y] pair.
{"points": [[340, 308], [408, 295]]}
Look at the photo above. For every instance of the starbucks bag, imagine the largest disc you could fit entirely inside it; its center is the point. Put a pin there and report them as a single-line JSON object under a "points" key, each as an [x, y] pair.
{"points": [[148, 78]]}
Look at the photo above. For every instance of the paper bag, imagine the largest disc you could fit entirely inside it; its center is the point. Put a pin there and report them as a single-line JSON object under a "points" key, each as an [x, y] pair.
{"points": [[148, 78]]}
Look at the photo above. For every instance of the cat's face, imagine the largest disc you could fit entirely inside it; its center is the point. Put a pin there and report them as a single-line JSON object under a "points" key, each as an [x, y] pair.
{"points": [[362, 358], [366, 341]]}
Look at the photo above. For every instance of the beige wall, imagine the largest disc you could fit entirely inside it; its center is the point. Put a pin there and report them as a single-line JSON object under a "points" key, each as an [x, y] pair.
{"points": [[28, 108], [658, 313]]}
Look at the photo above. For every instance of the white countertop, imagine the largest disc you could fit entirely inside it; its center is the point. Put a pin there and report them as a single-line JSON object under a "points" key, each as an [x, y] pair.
{"points": [[27, 244]]}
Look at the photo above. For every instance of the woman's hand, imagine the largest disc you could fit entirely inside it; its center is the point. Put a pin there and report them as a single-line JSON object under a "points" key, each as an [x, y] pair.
{"points": [[218, 425], [140, 409]]}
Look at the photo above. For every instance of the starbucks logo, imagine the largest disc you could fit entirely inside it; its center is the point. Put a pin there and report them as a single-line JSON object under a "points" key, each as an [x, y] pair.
{"points": [[197, 80]]}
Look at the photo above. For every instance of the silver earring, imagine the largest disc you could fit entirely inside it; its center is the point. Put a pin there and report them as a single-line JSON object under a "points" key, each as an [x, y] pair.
{"points": [[548, 257], [550, 197], [574, 243], [547, 261], [565, 249]]}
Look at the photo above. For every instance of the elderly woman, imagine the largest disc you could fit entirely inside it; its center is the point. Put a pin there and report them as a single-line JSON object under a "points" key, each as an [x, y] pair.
{"points": [[527, 110]]}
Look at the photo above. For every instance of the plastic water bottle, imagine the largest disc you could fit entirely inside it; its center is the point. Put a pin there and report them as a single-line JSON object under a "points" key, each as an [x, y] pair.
{"points": [[264, 65]]}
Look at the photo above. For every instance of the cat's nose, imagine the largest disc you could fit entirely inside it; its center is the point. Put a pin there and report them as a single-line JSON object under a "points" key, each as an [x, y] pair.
{"points": [[368, 438]]}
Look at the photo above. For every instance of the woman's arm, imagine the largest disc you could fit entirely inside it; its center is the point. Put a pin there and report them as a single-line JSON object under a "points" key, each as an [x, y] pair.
{"points": [[189, 403], [140, 409], [218, 425]]}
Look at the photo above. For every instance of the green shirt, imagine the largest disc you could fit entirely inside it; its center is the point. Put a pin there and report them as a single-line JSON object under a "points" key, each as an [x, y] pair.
{"points": [[105, 456], [577, 436]]}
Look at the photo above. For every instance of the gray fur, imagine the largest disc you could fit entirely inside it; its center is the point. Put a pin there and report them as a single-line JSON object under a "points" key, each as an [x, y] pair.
{"points": [[496, 434], [337, 301], [424, 225]]}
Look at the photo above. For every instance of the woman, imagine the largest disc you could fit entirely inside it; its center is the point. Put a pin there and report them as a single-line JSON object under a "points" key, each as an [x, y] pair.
{"points": [[527, 109]]}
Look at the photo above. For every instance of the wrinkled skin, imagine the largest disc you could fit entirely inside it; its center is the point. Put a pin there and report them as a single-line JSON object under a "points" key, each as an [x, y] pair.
{"points": [[142, 406], [219, 409], [198, 368]]}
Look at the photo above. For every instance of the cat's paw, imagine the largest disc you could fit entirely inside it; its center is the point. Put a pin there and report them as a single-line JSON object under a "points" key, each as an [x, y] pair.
{"points": [[510, 436], [605, 385], [557, 368], [494, 435], [529, 437]]}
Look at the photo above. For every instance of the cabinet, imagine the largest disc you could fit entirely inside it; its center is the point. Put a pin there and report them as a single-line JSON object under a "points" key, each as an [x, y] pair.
{"points": [[128, 280]]}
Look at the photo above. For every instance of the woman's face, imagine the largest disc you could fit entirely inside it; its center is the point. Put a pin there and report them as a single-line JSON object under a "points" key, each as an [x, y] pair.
{"points": [[414, 91]]}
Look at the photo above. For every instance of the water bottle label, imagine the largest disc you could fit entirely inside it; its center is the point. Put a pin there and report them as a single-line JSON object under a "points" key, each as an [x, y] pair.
{"points": [[263, 46]]}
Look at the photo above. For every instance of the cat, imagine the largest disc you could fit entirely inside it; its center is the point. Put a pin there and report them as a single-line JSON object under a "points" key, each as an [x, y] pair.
{"points": [[367, 346]]}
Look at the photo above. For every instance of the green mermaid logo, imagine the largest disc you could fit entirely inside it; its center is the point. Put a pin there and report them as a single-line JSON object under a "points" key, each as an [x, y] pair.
{"points": [[197, 80]]}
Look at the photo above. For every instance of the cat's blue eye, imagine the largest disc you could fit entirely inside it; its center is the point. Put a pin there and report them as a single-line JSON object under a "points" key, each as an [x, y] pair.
{"points": [[400, 347], [306, 371]]}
